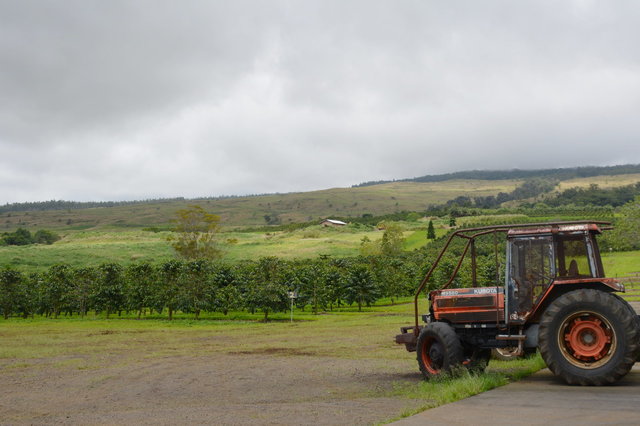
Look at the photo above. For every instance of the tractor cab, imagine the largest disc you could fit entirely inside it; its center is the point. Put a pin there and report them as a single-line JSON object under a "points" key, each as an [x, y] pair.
{"points": [[541, 257]]}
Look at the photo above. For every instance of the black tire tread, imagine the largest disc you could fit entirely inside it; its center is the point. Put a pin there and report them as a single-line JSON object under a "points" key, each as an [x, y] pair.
{"points": [[637, 320], [451, 343]]}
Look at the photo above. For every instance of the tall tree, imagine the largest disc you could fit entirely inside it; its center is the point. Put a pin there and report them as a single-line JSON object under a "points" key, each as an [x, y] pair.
{"points": [[44, 236], [58, 287], [360, 287], [170, 291], [266, 290], [195, 234], [196, 282], [334, 286], [139, 283], [431, 232], [626, 234], [10, 288], [390, 276], [392, 240], [109, 290], [84, 281], [21, 237], [227, 299]]}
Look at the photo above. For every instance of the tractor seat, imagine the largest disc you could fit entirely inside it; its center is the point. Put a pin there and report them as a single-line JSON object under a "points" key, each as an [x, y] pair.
{"points": [[573, 269]]}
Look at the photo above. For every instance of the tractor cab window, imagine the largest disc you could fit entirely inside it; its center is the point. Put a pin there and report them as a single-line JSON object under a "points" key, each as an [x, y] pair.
{"points": [[572, 259], [532, 270]]}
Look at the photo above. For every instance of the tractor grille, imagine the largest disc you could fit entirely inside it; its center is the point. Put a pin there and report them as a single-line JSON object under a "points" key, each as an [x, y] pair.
{"points": [[473, 316], [464, 302]]}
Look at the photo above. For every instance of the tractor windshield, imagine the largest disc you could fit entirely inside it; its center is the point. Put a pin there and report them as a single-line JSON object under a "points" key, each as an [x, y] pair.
{"points": [[572, 257]]}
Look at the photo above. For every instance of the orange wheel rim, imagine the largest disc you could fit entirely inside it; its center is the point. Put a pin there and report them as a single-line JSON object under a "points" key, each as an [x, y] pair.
{"points": [[587, 339], [431, 354]]}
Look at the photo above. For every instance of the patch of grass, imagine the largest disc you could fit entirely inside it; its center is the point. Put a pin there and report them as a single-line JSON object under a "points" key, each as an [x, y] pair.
{"points": [[418, 238], [442, 391], [89, 248], [17, 365], [619, 264], [464, 384], [601, 181], [343, 332]]}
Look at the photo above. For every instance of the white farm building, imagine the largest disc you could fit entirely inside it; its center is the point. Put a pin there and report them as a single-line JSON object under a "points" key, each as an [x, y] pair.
{"points": [[332, 222]]}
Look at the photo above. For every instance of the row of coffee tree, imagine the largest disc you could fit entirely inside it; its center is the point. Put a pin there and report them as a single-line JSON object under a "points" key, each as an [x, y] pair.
{"points": [[204, 286]]}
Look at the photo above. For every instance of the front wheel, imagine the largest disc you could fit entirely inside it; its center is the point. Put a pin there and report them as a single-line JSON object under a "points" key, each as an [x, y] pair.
{"points": [[588, 337], [438, 350]]}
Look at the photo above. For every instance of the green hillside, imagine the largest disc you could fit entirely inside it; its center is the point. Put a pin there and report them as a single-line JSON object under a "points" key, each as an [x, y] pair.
{"points": [[251, 211], [138, 231], [370, 199]]}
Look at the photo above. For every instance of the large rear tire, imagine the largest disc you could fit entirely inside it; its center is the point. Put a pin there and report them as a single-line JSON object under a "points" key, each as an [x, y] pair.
{"points": [[588, 337], [635, 315], [439, 350]]}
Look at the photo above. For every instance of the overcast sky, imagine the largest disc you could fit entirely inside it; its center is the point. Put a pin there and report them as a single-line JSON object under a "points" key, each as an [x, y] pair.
{"points": [[119, 100]]}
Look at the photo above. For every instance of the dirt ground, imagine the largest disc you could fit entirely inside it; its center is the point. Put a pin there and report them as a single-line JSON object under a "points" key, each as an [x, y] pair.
{"points": [[249, 387], [130, 372]]}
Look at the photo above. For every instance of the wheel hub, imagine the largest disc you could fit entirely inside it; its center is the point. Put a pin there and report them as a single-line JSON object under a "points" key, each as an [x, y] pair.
{"points": [[588, 339]]}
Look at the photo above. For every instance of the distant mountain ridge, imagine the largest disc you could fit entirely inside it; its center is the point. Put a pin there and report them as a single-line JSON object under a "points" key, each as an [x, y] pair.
{"points": [[478, 188], [558, 174]]}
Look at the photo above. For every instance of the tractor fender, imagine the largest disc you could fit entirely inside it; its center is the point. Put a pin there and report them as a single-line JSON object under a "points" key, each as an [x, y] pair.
{"points": [[558, 288]]}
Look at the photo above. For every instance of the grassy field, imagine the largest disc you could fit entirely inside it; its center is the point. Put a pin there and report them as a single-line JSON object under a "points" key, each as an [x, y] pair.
{"points": [[619, 264], [108, 355], [124, 234], [601, 181], [92, 247], [288, 208]]}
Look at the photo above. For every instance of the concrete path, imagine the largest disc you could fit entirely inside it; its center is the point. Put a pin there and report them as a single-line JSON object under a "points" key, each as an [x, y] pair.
{"points": [[542, 399]]}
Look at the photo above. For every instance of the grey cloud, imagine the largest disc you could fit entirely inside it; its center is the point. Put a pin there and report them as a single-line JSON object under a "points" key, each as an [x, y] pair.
{"points": [[121, 100]]}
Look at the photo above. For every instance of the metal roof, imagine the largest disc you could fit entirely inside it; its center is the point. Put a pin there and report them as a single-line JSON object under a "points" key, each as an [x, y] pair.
{"points": [[335, 222]]}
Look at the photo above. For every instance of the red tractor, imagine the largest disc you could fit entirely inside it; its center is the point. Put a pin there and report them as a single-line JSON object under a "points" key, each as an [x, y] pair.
{"points": [[555, 299]]}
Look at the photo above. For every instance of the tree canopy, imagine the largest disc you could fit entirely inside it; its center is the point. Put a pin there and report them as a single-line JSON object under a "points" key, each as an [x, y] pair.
{"points": [[195, 234]]}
